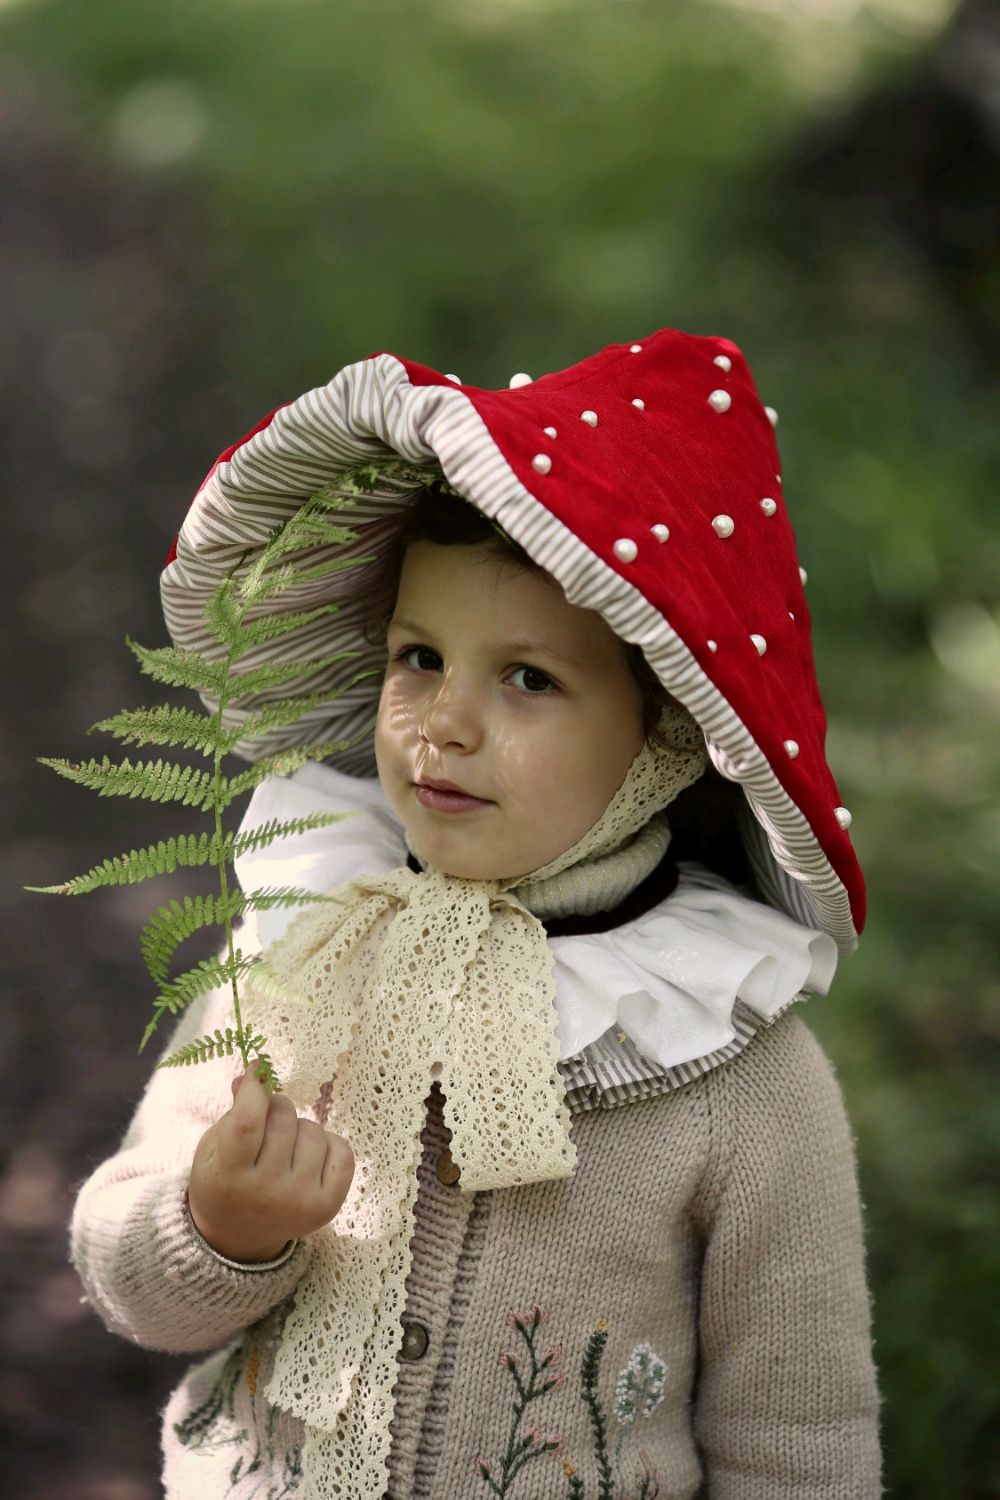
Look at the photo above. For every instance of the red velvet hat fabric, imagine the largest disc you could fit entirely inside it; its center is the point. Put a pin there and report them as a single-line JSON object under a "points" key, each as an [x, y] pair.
{"points": [[647, 479]]}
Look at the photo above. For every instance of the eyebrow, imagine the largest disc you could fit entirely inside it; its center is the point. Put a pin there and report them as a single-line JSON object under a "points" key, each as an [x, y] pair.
{"points": [[507, 648]]}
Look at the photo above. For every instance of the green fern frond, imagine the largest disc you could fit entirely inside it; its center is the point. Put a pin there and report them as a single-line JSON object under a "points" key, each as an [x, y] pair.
{"points": [[276, 715], [270, 627], [307, 532], [162, 725], [174, 923], [269, 985], [206, 975], [164, 781], [224, 1044], [186, 851], [273, 674], [265, 1068], [223, 614], [266, 833], [289, 574], [311, 526], [282, 763], [302, 551], [156, 781], [275, 580], [284, 711], [219, 1044], [388, 475], [180, 668]]}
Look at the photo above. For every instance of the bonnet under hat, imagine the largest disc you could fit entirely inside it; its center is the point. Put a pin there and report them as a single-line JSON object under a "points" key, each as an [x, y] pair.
{"points": [[646, 481]]}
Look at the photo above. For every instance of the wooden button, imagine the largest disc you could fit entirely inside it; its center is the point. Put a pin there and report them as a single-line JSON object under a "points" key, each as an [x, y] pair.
{"points": [[448, 1171], [415, 1340]]}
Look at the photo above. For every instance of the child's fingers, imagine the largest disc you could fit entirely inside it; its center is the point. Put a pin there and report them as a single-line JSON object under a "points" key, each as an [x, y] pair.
{"points": [[338, 1165], [241, 1131], [276, 1148], [250, 1071]]}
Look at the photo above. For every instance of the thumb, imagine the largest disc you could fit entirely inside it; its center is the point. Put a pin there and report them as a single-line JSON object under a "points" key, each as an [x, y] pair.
{"points": [[249, 1072]]}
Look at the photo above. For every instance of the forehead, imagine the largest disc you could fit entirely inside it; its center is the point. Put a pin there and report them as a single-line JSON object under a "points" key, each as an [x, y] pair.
{"points": [[489, 592]]}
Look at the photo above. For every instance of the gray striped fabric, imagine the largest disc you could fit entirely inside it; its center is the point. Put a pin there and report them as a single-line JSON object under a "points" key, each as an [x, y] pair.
{"points": [[612, 1071], [370, 410]]}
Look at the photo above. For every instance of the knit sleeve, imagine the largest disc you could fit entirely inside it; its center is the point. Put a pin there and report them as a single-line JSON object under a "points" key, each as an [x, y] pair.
{"points": [[145, 1269], [787, 1400]]}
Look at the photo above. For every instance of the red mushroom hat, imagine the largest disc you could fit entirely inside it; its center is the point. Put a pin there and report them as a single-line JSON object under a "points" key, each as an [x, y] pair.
{"points": [[646, 480]]}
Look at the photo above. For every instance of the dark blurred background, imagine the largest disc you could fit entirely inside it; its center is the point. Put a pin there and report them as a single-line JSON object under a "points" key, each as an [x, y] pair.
{"points": [[207, 207]]}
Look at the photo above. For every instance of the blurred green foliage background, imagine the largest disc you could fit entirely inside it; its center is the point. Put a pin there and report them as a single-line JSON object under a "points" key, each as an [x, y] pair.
{"points": [[211, 205]]}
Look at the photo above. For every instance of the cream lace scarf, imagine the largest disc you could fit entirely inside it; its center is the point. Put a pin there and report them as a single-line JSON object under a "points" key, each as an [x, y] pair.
{"points": [[414, 976]]}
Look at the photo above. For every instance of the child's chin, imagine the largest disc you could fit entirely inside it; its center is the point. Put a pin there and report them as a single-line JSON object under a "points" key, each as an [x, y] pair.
{"points": [[452, 862]]}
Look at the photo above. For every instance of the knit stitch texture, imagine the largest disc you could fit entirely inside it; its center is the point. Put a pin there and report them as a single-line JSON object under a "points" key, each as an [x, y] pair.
{"points": [[717, 1226]]}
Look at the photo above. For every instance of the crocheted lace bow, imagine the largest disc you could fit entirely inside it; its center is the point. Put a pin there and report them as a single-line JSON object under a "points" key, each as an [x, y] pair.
{"points": [[409, 971]]}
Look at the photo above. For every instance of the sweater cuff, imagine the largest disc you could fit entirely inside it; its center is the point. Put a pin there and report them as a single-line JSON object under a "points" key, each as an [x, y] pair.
{"points": [[241, 1265]]}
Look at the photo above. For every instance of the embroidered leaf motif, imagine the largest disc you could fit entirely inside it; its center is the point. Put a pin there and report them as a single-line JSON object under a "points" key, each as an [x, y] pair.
{"points": [[213, 1425], [532, 1380], [638, 1391]]}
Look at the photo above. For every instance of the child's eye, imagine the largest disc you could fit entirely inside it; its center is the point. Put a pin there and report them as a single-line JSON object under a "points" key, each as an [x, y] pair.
{"points": [[420, 658], [534, 681]]}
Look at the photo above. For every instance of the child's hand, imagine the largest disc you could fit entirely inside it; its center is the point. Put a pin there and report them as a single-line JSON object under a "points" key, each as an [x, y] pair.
{"points": [[261, 1176]]}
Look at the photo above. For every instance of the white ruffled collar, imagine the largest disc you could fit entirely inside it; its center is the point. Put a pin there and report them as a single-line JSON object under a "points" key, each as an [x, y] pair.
{"points": [[670, 979]]}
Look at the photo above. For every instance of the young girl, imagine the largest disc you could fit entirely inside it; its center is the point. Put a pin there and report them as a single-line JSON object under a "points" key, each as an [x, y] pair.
{"points": [[560, 1196]]}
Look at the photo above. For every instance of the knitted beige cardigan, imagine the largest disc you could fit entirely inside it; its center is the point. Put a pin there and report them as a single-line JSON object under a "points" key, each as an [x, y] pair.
{"points": [[400, 978]]}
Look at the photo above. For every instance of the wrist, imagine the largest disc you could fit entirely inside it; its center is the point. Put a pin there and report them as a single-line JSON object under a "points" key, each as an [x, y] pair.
{"points": [[262, 1256]]}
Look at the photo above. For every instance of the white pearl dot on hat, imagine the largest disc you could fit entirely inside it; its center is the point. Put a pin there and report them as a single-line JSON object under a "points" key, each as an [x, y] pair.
{"points": [[635, 348], [778, 478], [772, 415], [626, 550], [590, 417], [661, 532], [541, 463], [724, 525], [639, 403], [720, 400], [768, 506], [723, 361], [455, 378], [790, 615], [792, 747], [843, 817], [549, 431], [518, 380], [712, 645], [760, 643], [804, 576]]}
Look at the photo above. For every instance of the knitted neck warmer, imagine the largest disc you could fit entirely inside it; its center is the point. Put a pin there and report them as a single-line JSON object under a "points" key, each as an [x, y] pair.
{"points": [[404, 974]]}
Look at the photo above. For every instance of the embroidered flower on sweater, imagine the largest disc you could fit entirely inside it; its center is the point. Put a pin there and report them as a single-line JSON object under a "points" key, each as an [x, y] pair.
{"points": [[639, 1390], [534, 1378]]}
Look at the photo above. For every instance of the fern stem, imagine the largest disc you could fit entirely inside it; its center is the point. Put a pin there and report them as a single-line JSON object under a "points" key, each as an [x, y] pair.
{"points": [[223, 882]]}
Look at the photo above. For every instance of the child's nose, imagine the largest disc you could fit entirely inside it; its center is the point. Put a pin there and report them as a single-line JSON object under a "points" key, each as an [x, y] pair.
{"points": [[452, 717]]}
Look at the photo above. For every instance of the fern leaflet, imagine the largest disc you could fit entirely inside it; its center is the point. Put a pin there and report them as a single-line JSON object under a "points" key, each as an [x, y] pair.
{"points": [[156, 781], [219, 1044], [179, 668], [162, 725], [177, 921]]}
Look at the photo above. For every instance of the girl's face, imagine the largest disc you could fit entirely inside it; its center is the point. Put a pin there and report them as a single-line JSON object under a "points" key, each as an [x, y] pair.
{"points": [[499, 686]]}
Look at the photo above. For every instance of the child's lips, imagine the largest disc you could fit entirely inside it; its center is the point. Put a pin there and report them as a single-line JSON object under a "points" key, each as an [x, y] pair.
{"points": [[444, 796]]}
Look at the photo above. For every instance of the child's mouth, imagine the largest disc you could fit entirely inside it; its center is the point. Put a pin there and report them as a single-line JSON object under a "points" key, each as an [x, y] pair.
{"points": [[440, 799]]}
